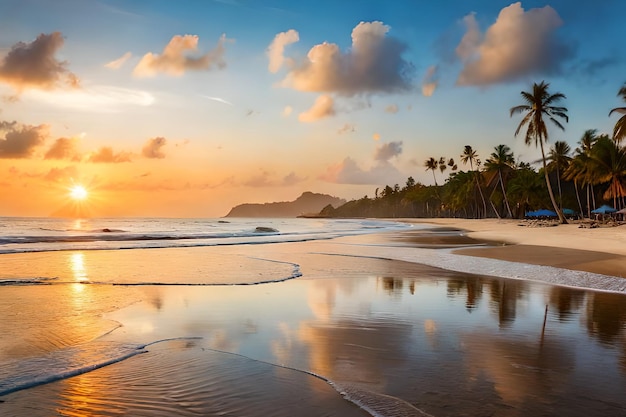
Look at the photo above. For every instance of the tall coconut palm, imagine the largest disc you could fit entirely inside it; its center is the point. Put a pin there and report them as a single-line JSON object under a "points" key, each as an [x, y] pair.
{"points": [[559, 161], [501, 161], [432, 164], [470, 155], [540, 103], [608, 162], [579, 169], [619, 131]]}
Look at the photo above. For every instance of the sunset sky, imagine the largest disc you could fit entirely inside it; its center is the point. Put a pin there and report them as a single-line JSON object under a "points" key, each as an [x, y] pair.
{"points": [[187, 108]]}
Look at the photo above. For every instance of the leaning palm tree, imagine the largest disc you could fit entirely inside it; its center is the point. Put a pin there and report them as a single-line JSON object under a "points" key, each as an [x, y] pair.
{"points": [[470, 155], [538, 104], [500, 161], [619, 131]]}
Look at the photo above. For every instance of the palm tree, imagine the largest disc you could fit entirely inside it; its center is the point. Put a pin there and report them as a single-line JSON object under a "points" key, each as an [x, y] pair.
{"points": [[619, 131], [538, 104], [470, 155], [432, 164], [501, 160], [608, 163], [579, 169], [559, 160]]}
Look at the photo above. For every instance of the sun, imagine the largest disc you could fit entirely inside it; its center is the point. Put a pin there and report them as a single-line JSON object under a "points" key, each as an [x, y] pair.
{"points": [[78, 192]]}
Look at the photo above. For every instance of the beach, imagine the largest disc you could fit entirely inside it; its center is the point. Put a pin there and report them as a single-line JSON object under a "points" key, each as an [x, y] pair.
{"points": [[435, 320]]}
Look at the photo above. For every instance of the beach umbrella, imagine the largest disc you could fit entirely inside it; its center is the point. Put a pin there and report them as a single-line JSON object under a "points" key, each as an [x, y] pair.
{"points": [[541, 213], [604, 210], [568, 212]]}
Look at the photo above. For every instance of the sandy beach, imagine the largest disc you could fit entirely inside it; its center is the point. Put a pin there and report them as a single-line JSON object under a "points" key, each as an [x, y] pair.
{"points": [[601, 250]]}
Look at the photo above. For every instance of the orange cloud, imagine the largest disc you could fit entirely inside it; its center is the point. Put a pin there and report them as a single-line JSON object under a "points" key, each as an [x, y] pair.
{"points": [[61, 174], [392, 108], [519, 43], [173, 60], [429, 83], [33, 65], [323, 107], [152, 148], [21, 141], [117, 63], [275, 52], [373, 64], [106, 155], [64, 148]]}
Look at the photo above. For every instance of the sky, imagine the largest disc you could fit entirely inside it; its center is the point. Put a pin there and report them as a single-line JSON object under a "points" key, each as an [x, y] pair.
{"points": [[188, 108]]}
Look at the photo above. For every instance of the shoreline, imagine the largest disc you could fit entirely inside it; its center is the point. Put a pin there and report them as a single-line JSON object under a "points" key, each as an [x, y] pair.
{"points": [[600, 250]]}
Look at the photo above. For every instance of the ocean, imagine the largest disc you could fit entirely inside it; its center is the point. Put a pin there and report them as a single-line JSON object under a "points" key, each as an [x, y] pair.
{"points": [[277, 317]]}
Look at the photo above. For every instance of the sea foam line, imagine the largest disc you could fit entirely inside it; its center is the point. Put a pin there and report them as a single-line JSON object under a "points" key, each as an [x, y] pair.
{"points": [[491, 267], [66, 363]]}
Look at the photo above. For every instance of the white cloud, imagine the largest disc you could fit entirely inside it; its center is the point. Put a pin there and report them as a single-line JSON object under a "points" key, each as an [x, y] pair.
{"points": [[275, 52], [323, 107], [348, 172], [98, 98], [117, 63], [173, 61], [374, 64], [518, 44]]}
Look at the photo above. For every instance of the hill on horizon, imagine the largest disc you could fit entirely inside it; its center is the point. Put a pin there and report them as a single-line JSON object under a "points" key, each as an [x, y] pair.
{"points": [[307, 203]]}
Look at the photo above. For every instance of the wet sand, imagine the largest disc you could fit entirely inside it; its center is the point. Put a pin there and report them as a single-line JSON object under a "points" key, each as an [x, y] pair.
{"points": [[601, 250]]}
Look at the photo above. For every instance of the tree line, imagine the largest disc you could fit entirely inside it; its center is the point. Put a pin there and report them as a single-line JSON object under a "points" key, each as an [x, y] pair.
{"points": [[592, 174]]}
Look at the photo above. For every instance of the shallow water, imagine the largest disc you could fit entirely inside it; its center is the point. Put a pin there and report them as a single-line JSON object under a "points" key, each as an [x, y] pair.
{"points": [[381, 331], [344, 331]]}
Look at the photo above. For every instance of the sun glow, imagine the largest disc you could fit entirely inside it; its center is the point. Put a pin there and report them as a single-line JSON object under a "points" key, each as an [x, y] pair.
{"points": [[78, 192]]}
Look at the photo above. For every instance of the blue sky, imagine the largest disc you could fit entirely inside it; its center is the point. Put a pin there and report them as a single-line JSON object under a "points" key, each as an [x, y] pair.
{"points": [[261, 100]]}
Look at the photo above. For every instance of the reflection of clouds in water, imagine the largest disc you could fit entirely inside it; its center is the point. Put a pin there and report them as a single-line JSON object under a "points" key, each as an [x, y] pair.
{"points": [[519, 371]]}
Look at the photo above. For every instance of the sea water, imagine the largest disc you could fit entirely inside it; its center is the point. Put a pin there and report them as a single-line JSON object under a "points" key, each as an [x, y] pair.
{"points": [[330, 314]]}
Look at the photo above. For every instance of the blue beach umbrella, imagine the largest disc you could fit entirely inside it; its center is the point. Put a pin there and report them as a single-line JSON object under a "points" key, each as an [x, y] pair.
{"points": [[604, 210], [541, 213], [568, 212]]}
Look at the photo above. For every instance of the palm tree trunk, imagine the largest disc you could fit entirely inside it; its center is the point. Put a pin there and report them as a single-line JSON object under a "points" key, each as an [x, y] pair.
{"points": [[558, 181], [491, 201], [482, 196], [506, 200], [580, 206], [545, 173]]}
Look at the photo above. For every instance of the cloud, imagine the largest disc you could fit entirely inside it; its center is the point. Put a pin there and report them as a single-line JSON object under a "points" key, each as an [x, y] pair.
{"points": [[260, 180], [376, 136], [61, 174], [173, 60], [106, 155], [117, 64], [152, 148], [64, 148], [218, 99], [33, 65], [518, 44], [275, 52], [292, 179], [324, 106], [347, 128], [392, 108], [429, 83], [387, 151], [348, 172], [373, 64], [96, 98], [20, 141], [287, 111]]}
